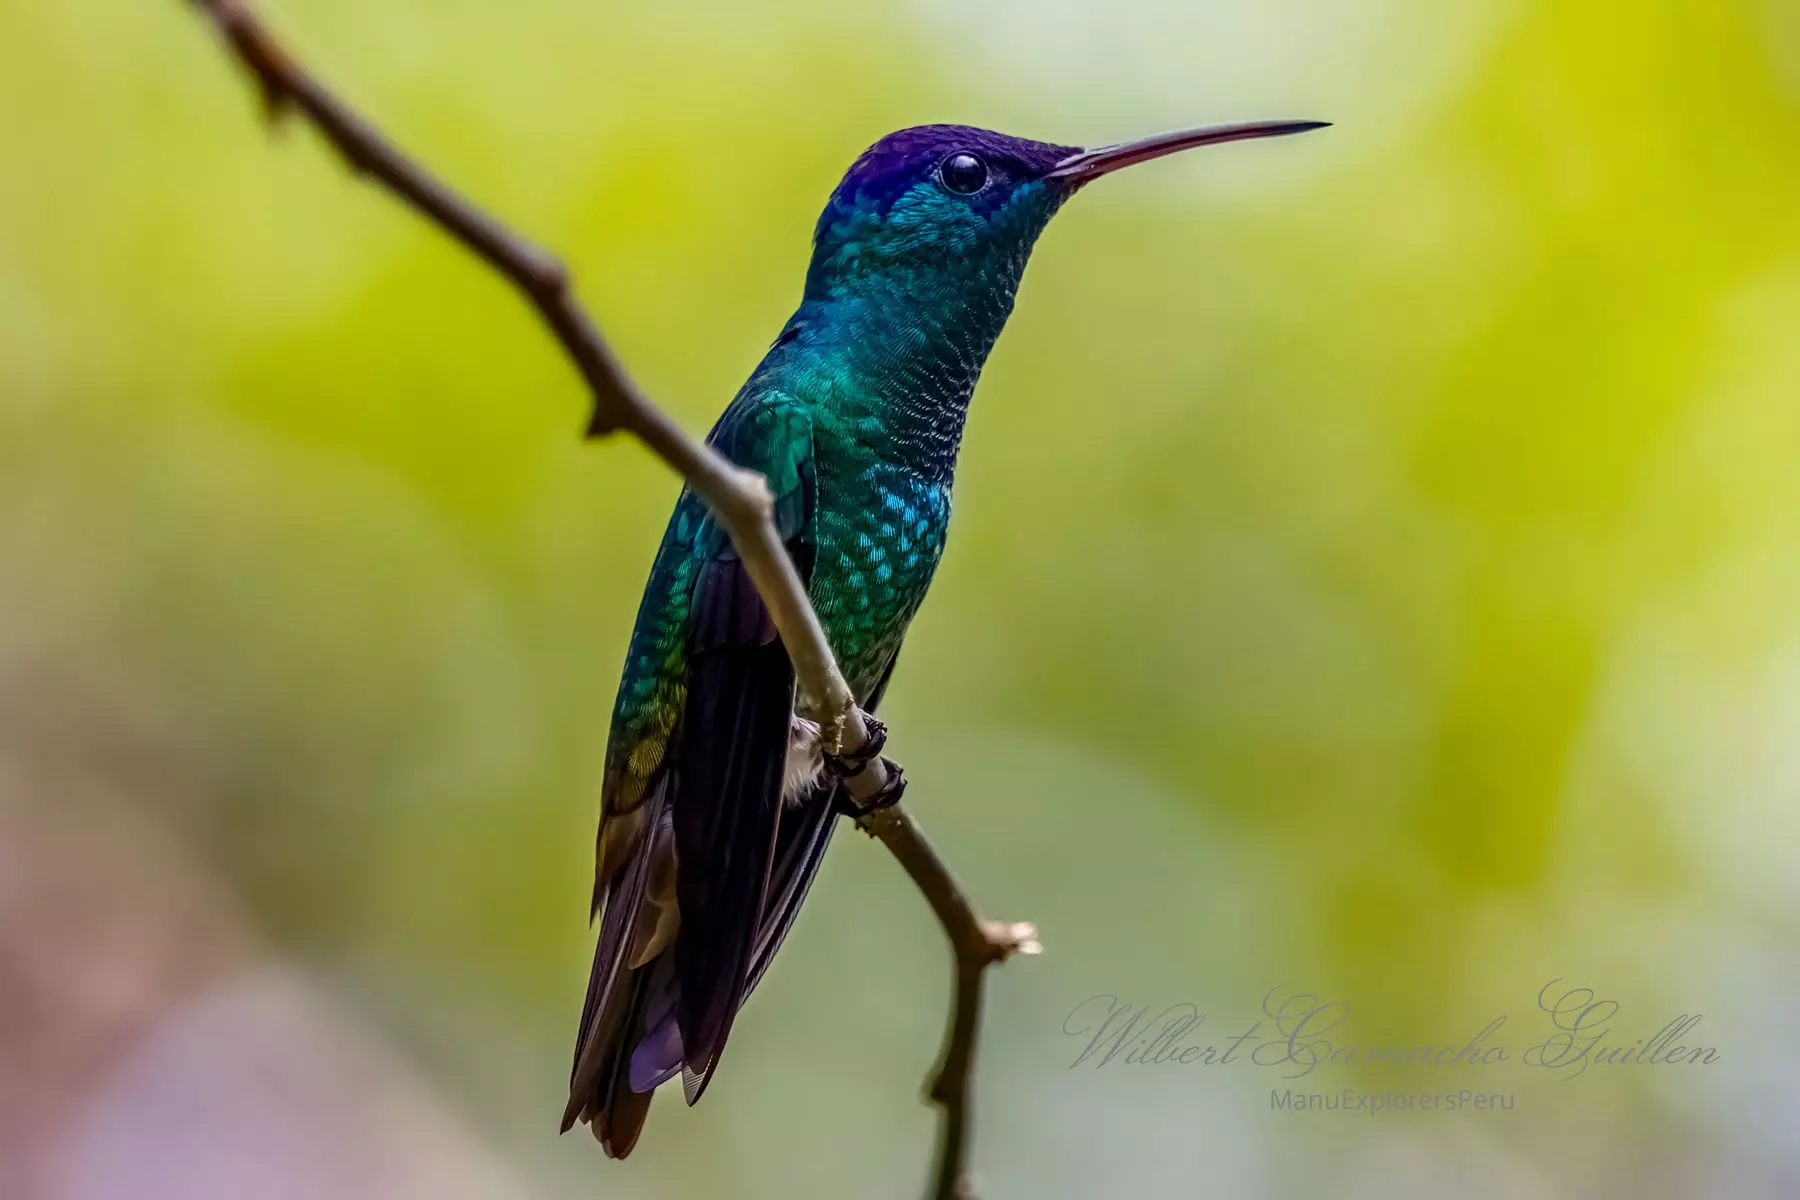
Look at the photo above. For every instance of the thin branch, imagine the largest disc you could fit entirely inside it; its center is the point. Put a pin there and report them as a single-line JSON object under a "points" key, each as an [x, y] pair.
{"points": [[976, 945], [740, 498]]}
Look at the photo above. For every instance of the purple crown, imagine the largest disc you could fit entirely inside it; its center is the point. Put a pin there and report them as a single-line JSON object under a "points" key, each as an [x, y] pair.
{"points": [[886, 170]]}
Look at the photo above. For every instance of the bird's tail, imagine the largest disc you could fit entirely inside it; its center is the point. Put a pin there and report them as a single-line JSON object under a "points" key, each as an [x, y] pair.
{"points": [[628, 1041]]}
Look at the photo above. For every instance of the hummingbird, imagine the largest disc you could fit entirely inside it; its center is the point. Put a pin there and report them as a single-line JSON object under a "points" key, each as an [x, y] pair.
{"points": [[718, 801]]}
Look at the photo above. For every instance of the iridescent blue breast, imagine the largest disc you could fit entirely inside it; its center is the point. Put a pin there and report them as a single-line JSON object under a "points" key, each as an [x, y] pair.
{"points": [[880, 533]]}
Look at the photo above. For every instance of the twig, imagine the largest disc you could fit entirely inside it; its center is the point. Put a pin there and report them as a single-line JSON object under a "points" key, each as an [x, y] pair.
{"points": [[739, 497], [976, 945]]}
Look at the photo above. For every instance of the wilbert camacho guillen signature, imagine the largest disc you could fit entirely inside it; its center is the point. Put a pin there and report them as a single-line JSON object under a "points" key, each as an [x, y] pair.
{"points": [[1293, 1036]]}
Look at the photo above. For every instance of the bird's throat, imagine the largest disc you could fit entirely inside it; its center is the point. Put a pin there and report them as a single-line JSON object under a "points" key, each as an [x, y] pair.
{"points": [[893, 360]]}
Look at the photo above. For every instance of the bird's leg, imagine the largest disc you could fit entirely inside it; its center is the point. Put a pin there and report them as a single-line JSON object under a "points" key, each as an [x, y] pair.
{"points": [[848, 766], [874, 742], [886, 797]]}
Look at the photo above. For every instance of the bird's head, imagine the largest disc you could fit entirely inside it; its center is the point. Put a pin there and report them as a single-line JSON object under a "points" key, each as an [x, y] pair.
{"points": [[970, 201]]}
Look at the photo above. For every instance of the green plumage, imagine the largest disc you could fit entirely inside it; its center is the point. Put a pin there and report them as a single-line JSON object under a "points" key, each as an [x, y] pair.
{"points": [[713, 816], [854, 416], [862, 400]]}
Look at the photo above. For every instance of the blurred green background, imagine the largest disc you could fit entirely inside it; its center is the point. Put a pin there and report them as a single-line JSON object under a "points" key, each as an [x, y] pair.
{"points": [[1376, 563]]}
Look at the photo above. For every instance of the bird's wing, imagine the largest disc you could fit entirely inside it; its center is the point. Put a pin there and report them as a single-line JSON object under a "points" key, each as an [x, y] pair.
{"points": [[805, 832], [634, 852], [733, 743], [770, 434], [651, 695], [693, 773]]}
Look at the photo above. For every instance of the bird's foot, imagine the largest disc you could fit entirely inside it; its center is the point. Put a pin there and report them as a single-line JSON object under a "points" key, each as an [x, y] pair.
{"points": [[874, 742], [886, 796], [849, 766]]}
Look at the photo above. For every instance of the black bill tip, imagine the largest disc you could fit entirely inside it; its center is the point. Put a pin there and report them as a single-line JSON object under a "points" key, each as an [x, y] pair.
{"points": [[1091, 164]]}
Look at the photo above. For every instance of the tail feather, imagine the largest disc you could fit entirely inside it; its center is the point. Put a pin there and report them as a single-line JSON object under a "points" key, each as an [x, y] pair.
{"points": [[612, 1016], [658, 1054], [711, 887], [617, 1122]]}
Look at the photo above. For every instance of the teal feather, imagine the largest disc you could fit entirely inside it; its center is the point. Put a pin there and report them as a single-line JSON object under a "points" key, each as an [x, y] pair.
{"points": [[855, 416]]}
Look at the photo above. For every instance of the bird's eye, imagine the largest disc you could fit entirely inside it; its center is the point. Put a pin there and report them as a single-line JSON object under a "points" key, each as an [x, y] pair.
{"points": [[963, 173]]}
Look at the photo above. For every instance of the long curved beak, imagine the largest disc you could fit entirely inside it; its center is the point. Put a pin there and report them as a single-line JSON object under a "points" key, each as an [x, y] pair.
{"points": [[1091, 164]]}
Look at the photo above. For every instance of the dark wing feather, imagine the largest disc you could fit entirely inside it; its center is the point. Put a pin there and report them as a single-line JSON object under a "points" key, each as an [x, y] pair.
{"points": [[732, 747], [711, 810], [805, 834]]}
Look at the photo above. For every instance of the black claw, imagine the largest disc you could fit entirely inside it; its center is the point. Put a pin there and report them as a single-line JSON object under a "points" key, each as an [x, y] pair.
{"points": [[887, 797], [874, 742]]}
